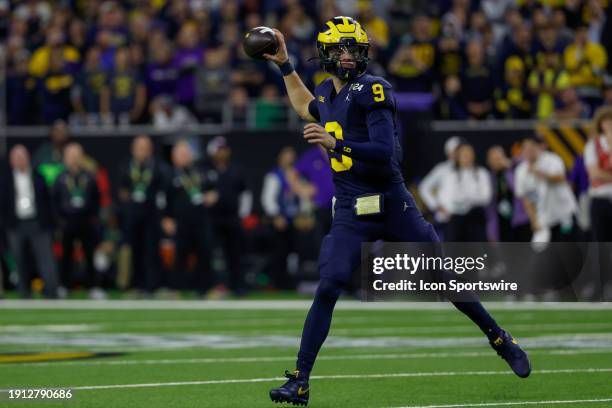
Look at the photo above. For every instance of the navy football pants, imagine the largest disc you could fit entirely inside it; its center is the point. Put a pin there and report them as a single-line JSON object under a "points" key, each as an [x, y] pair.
{"points": [[340, 255]]}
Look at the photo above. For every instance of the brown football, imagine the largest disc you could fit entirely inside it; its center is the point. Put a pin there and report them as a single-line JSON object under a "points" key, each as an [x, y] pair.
{"points": [[259, 41]]}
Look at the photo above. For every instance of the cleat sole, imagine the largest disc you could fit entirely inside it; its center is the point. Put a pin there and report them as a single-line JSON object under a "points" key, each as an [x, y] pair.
{"points": [[294, 401]]}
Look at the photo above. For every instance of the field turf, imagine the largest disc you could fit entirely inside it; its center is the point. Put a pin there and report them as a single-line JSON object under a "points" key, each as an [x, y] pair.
{"points": [[170, 354]]}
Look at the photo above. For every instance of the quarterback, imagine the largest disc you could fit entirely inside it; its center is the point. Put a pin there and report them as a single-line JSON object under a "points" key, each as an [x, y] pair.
{"points": [[352, 117]]}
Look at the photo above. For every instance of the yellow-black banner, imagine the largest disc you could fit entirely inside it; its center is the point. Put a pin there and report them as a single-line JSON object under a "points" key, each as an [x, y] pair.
{"points": [[567, 141]]}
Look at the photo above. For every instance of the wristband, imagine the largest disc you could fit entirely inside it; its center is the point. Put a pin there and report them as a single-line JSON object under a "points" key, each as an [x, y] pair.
{"points": [[286, 68]]}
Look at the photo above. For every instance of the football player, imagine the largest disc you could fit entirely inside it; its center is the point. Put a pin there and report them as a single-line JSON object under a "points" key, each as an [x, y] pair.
{"points": [[352, 117]]}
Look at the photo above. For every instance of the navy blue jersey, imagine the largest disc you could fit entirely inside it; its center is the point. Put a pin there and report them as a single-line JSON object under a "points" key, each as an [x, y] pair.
{"points": [[362, 119]]}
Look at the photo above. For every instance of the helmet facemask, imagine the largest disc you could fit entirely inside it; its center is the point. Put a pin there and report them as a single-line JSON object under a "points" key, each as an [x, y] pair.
{"points": [[330, 56]]}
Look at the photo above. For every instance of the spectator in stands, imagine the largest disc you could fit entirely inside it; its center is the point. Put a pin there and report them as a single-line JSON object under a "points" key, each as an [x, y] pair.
{"points": [[111, 19], [20, 91], [507, 219], [160, 74], [585, 61], [512, 99], [450, 104], [450, 56], [546, 84], [477, 82], [235, 203], [299, 21], [54, 43], [77, 35], [53, 89], [168, 115], [187, 58], [497, 12], [239, 101], [412, 65], [465, 191], [213, 84], [570, 106], [190, 196], [572, 11], [596, 19], [124, 94], [25, 211], [104, 42], [373, 24], [76, 200], [455, 21], [541, 183], [283, 196], [87, 88], [519, 47], [140, 28], [548, 41], [141, 201], [598, 161], [269, 110]]}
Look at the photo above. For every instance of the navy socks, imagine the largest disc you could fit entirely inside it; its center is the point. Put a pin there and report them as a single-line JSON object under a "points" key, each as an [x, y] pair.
{"points": [[317, 324], [477, 313]]}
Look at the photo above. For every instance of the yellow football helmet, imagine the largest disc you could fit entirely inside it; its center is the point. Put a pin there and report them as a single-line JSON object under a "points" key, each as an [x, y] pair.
{"points": [[343, 34]]}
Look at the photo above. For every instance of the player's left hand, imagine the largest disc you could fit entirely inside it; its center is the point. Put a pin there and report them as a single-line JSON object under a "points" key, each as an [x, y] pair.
{"points": [[316, 134]]}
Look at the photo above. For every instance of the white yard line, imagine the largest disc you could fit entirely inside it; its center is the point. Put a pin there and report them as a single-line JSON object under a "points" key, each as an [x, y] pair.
{"points": [[338, 377], [512, 404], [459, 328], [272, 359], [279, 305]]}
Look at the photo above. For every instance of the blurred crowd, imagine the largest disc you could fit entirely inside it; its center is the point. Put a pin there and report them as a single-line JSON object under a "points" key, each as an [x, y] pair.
{"points": [[163, 224], [525, 195], [174, 63], [158, 224]]}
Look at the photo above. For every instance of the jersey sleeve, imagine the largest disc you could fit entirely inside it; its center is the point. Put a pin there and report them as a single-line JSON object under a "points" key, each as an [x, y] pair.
{"points": [[376, 94], [380, 146], [313, 109]]}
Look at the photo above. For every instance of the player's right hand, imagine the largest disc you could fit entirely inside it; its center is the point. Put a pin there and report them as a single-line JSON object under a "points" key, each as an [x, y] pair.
{"points": [[281, 55]]}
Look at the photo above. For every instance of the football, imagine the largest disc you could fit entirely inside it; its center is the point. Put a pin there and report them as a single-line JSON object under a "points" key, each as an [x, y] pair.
{"points": [[259, 41]]}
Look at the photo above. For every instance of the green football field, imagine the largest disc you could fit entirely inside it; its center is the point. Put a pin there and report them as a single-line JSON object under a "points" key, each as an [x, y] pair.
{"points": [[228, 354]]}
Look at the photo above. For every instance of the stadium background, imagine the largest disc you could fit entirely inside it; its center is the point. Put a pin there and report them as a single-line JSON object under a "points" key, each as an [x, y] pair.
{"points": [[185, 77], [57, 57]]}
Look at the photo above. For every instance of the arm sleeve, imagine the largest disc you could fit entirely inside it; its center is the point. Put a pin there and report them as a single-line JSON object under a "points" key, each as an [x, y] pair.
{"points": [[379, 148], [313, 109]]}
